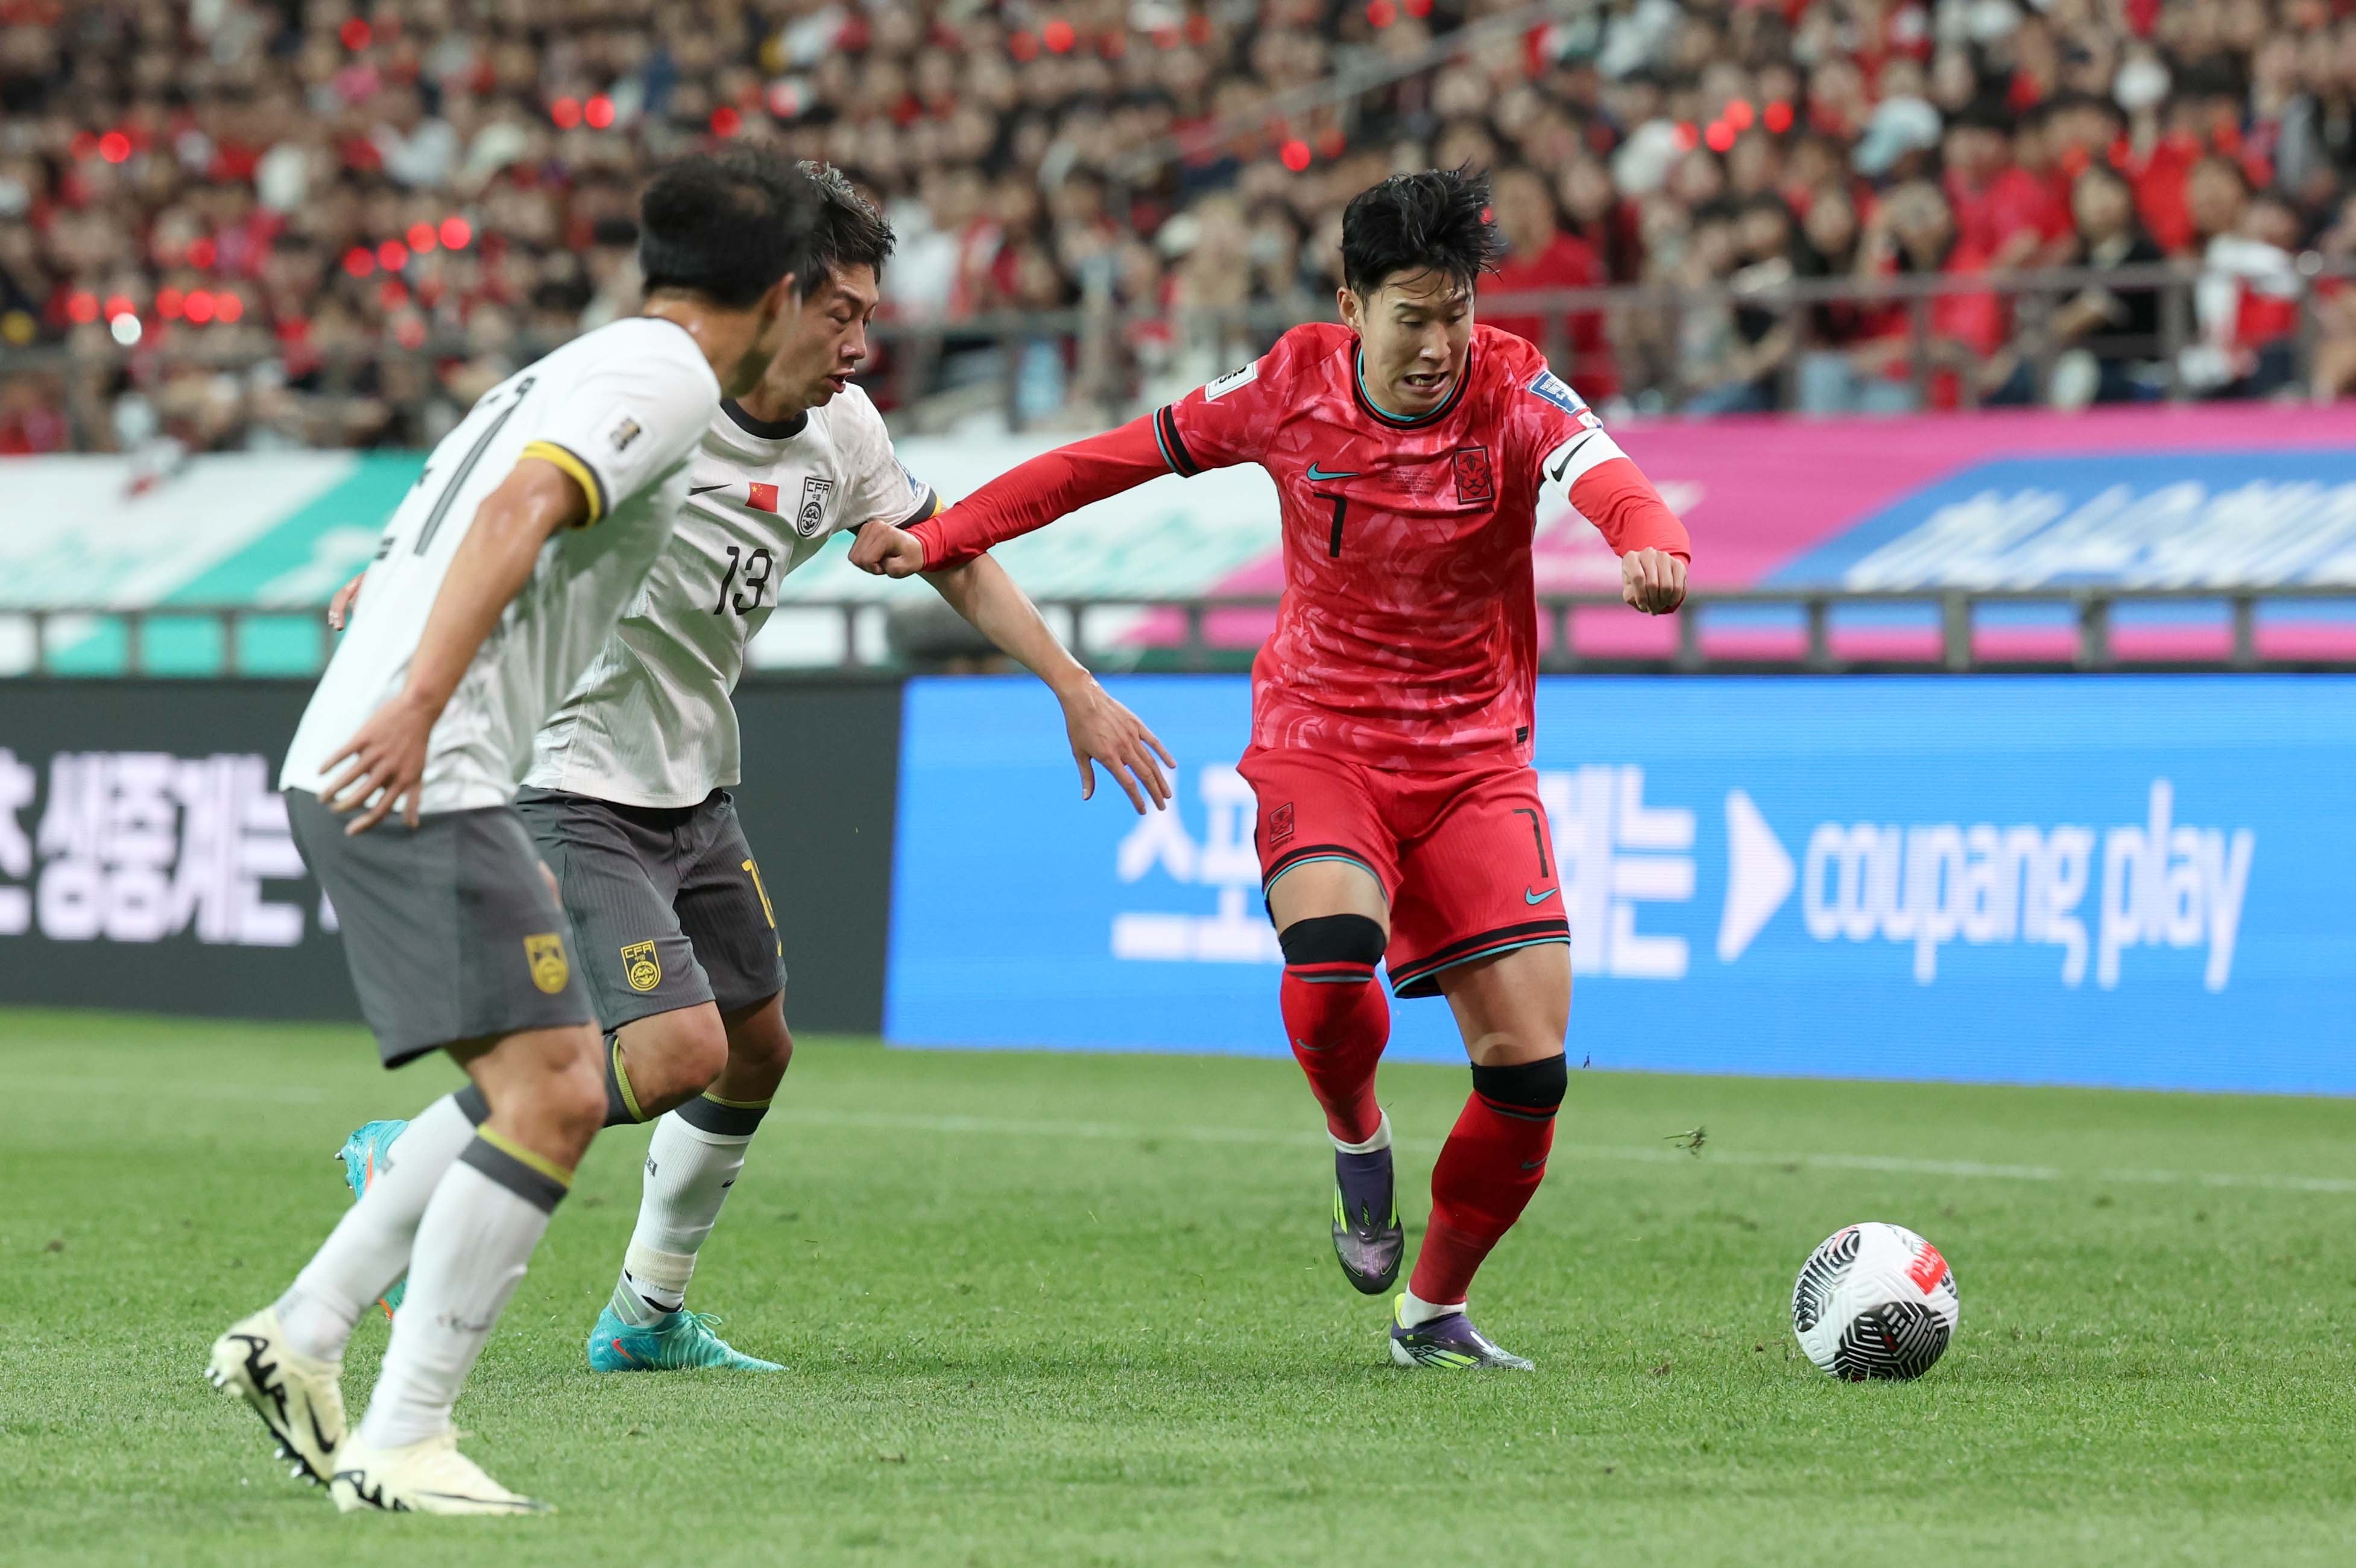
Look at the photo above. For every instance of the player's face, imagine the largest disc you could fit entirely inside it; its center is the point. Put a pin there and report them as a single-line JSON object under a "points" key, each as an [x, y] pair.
{"points": [[1414, 331], [829, 338]]}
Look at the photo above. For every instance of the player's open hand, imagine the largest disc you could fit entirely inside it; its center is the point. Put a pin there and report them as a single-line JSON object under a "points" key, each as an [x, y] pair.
{"points": [[883, 551], [382, 767], [340, 608], [1652, 581], [1102, 731]]}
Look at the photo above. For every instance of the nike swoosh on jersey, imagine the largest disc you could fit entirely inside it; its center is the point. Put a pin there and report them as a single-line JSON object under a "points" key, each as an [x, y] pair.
{"points": [[704, 489], [1530, 898], [1319, 475], [1569, 451]]}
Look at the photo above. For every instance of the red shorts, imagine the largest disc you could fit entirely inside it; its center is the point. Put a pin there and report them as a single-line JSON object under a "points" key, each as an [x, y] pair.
{"points": [[1465, 856]]}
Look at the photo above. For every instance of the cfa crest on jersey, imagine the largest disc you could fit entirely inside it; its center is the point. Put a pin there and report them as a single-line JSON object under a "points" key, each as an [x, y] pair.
{"points": [[1553, 388], [1230, 382], [642, 966], [812, 515]]}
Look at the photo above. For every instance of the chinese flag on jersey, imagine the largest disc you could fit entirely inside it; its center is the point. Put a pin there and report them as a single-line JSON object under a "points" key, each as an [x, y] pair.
{"points": [[764, 497]]}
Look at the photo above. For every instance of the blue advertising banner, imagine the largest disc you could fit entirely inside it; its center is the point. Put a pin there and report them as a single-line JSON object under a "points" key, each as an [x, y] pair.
{"points": [[2119, 880]]}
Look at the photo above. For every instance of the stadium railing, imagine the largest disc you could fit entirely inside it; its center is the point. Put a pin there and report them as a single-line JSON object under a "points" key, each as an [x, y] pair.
{"points": [[1811, 630], [1099, 362]]}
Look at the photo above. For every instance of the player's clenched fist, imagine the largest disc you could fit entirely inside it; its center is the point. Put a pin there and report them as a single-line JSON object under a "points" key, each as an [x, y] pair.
{"points": [[1652, 581], [883, 551]]}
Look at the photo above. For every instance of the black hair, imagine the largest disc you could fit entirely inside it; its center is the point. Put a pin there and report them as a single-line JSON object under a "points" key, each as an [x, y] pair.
{"points": [[725, 225], [846, 232], [1438, 220]]}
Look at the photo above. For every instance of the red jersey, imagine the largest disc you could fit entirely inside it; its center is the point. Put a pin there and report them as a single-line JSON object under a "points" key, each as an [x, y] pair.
{"points": [[1407, 633]]}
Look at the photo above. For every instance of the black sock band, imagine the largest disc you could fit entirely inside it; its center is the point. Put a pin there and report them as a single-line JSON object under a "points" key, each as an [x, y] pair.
{"points": [[621, 1105], [472, 1105], [724, 1118], [1331, 944], [1531, 1090]]}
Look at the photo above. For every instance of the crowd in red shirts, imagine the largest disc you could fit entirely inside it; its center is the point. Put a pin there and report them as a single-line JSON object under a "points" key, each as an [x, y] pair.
{"points": [[335, 222]]}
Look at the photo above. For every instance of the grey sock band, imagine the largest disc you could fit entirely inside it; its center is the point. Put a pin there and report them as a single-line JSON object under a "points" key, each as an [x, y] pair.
{"points": [[472, 1105], [725, 1118], [518, 1169]]}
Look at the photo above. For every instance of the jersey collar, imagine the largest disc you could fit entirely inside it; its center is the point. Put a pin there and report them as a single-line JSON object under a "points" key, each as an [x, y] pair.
{"points": [[765, 429], [1366, 401]]}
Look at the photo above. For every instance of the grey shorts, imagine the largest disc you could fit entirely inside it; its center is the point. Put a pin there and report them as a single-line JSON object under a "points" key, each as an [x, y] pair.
{"points": [[450, 928], [667, 899]]}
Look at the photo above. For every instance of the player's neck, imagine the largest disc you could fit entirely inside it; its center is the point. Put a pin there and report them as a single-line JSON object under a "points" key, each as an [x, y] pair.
{"points": [[725, 337], [772, 407]]}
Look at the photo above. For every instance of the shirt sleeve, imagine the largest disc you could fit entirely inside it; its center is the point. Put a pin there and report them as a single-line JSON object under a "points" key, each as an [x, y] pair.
{"points": [[1227, 421], [882, 488], [630, 420], [1034, 494], [1577, 458]]}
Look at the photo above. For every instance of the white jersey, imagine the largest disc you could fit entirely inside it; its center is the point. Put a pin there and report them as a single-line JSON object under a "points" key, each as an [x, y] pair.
{"points": [[620, 410], [651, 723]]}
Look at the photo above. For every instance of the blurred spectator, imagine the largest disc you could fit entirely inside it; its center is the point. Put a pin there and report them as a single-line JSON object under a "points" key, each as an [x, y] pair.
{"points": [[232, 222], [1540, 257], [2110, 338]]}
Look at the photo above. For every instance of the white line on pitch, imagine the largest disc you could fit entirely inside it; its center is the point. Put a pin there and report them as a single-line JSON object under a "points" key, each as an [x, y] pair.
{"points": [[1596, 1153]]}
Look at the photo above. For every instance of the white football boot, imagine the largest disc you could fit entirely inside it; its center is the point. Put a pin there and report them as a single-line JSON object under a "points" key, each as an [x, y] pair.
{"points": [[430, 1477], [300, 1400]]}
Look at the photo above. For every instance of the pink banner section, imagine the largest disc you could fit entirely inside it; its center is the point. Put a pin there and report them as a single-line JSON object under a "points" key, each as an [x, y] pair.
{"points": [[1763, 496]]}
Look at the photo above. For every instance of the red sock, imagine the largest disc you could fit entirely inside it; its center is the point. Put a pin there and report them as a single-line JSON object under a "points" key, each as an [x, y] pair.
{"points": [[1338, 1024], [1487, 1170]]}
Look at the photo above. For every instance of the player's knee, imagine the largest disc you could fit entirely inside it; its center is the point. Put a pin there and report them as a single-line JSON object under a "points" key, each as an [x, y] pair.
{"points": [[1530, 1088], [674, 1057], [758, 1041], [1333, 949], [566, 1094]]}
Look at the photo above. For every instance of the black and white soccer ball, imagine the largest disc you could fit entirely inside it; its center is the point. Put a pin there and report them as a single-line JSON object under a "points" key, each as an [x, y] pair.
{"points": [[1875, 1301]]}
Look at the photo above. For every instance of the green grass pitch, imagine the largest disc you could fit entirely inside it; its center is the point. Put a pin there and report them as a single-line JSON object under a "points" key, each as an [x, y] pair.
{"points": [[1046, 1309]]}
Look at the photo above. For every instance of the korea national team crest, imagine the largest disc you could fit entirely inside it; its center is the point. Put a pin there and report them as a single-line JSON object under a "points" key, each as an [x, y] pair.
{"points": [[549, 968], [811, 520], [642, 966], [1474, 483]]}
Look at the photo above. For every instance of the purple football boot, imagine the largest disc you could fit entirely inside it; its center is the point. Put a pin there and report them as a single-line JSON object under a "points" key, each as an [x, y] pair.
{"points": [[1449, 1343], [1367, 1236]]}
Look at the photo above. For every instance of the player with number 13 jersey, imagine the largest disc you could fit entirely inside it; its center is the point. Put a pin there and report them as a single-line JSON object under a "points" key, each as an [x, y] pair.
{"points": [[1398, 820], [627, 796]]}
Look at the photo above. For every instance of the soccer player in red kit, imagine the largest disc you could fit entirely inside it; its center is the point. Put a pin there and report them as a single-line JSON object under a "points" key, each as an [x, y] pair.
{"points": [[1398, 817]]}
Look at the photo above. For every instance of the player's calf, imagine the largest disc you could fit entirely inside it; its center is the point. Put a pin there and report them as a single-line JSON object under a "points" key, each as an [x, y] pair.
{"points": [[1338, 1022], [1335, 1017], [1492, 1163], [693, 1161]]}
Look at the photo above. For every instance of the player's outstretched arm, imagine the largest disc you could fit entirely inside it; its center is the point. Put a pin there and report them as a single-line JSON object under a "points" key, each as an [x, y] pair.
{"points": [[1026, 497], [1102, 731], [1654, 548], [383, 764]]}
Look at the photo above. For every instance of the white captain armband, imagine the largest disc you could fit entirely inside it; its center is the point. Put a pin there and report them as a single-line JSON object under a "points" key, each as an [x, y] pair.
{"points": [[1575, 457]]}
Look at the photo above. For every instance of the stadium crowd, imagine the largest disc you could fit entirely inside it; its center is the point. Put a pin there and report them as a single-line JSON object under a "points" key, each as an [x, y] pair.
{"points": [[336, 223]]}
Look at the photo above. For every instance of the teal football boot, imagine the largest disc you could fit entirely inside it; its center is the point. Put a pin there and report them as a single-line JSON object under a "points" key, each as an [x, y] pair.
{"points": [[367, 1151], [677, 1342]]}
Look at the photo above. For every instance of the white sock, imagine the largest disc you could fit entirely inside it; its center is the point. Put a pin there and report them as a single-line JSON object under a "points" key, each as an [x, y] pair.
{"points": [[1381, 1140], [689, 1172], [369, 1247], [1414, 1311], [487, 1216]]}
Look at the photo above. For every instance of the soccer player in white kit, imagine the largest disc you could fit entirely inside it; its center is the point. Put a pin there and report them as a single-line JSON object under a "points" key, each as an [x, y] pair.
{"points": [[627, 795], [498, 578]]}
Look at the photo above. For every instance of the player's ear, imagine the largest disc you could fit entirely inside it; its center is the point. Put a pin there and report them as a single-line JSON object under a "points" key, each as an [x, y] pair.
{"points": [[1353, 311], [780, 299]]}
